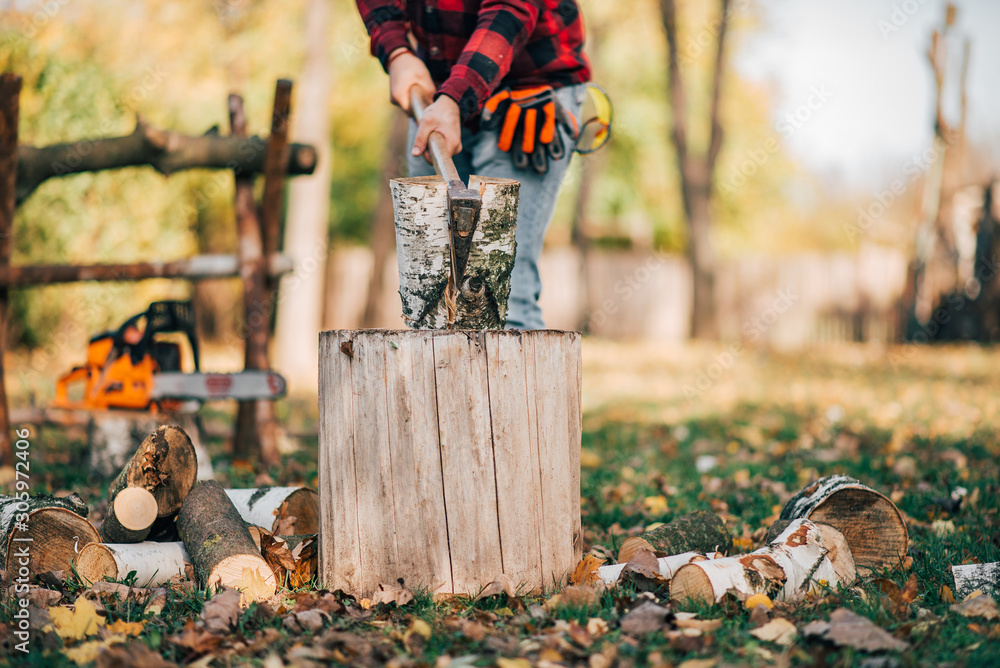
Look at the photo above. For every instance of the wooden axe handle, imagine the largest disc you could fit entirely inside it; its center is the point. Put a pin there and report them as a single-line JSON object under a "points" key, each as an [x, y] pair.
{"points": [[443, 163]]}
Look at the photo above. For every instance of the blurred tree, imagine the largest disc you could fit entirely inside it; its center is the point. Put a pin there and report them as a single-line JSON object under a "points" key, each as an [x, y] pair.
{"points": [[697, 173]]}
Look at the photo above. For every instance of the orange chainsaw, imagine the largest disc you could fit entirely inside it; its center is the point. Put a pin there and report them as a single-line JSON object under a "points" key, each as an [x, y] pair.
{"points": [[134, 367]]}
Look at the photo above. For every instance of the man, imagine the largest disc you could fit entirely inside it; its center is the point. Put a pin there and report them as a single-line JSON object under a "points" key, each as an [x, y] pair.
{"points": [[523, 61]]}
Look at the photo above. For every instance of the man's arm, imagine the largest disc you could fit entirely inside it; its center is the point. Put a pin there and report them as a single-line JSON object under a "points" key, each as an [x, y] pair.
{"points": [[386, 23], [502, 29]]}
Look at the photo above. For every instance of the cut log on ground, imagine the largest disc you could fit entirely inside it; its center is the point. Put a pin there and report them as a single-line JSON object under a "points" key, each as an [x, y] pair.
{"points": [[667, 566], [805, 556], [423, 250], [700, 531], [447, 458], [130, 515], [871, 523], [153, 563], [42, 533], [166, 465], [222, 551], [167, 152], [281, 510], [112, 435]]}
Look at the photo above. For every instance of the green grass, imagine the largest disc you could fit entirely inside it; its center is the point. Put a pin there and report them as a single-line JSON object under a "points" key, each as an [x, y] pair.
{"points": [[912, 423]]}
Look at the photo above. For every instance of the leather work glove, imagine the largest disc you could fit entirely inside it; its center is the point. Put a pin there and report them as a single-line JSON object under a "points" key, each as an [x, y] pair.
{"points": [[529, 118]]}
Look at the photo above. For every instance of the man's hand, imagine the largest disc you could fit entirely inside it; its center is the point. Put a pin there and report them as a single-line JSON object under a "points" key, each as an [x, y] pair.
{"points": [[441, 116], [406, 71]]}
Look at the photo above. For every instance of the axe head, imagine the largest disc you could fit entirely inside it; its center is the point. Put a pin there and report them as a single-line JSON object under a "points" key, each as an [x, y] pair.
{"points": [[464, 205]]}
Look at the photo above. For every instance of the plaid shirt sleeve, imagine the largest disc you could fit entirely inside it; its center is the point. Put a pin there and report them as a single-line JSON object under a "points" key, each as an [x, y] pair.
{"points": [[502, 29], [386, 23]]}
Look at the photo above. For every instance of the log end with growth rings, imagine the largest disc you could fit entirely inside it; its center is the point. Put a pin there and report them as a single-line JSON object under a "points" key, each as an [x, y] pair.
{"points": [[135, 508]]}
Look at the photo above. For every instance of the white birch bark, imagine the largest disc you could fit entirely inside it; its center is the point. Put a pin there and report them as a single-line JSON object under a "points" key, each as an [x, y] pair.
{"points": [[786, 570], [154, 563], [265, 506], [422, 247], [609, 575]]}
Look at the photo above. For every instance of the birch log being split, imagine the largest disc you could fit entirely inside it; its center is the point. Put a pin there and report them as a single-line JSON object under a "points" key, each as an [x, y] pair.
{"points": [[166, 466], [281, 510], [422, 247], [154, 563], [871, 523], [42, 533], [805, 556], [221, 548]]}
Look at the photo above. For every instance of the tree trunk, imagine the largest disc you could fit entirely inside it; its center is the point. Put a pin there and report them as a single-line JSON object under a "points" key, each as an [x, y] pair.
{"points": [[131, 513], [447, 458], [42, 533], [154, 564], [382, 231], [167, 152], [423, 251], [300, 309], [803, 557], [701, 531], [871, 523], [222, 551], [280, 510], [10, 106]]}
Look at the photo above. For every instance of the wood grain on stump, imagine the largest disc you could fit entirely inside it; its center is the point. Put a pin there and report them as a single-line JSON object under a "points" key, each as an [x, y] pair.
{"points": [[42, 533], [448, 458], [872, 525], [221, 548]]}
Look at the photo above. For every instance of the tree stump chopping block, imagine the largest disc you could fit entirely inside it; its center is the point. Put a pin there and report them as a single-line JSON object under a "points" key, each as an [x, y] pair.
{"points": [[448, 458], [420, 207]]}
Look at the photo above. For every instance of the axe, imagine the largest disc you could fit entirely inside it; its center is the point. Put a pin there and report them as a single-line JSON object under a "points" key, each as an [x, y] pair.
{"points": [[463, 204]]}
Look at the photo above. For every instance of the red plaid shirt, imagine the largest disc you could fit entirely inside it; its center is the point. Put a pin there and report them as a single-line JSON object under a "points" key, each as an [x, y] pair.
{"points": [[473, 47]]}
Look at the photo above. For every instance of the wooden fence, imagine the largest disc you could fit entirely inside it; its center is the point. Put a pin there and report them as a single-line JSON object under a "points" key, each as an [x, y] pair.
{"points": [[787, 302]]}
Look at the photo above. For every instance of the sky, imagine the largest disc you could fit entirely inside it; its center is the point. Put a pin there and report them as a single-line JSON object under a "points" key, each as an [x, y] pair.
{"points": [[862, 66]]}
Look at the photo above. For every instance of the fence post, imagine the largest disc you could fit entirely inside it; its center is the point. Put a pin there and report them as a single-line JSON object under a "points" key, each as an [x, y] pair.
{"points": [[10, 92]]}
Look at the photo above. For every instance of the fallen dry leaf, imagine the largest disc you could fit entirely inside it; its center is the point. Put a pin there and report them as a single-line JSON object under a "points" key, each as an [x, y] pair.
{"points": [[946, 594], [646, 618], [699, 663], [689, 620], [115, 589], [631, 546], [760, 615], [311, 621], [779, 630], [36, 595], [501, 585], [513, 663], [850, 630], [388, 593], [129, 655], [78, 623], [586, 571], [758, 599], [89, 651], [222, 611], [582, 596], [123, 628], [978, 606], [197, 640], [156, 602]]}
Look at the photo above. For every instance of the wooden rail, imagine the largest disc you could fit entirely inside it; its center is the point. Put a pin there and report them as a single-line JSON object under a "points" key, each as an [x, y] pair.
{"points": [[258, 260]]}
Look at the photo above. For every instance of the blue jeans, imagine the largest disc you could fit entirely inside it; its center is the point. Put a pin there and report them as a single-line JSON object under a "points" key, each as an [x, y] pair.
{"points": [[536, 203]]}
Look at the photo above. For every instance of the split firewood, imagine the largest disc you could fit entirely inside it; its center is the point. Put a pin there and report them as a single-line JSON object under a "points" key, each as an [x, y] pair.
{"points": [[666, 566], [166, 466], [420, 206], [42, 533], [154, 564], [222, 550], [871, 523], [287, 511], [700, 531], [805, 556], [131, 513]]}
